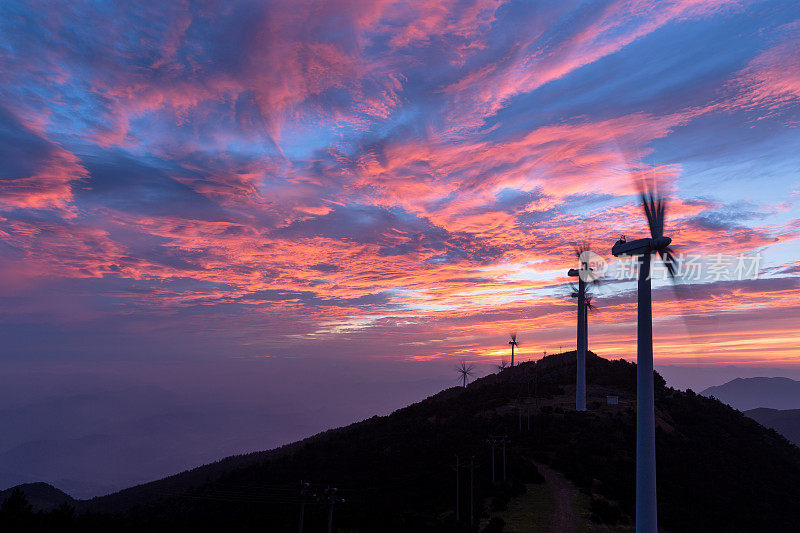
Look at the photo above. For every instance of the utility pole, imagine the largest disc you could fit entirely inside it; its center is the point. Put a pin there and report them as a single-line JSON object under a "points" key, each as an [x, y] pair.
{"points": [[302, 511], [304, 491], [471, 491], [492, 443], [504, 459], [332, 498], [457, 491]]}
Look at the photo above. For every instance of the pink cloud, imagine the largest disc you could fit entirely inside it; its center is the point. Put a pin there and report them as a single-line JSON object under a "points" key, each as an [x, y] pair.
{"points": [[49, 188], [41, 174], [533, 64], [771, 80]]}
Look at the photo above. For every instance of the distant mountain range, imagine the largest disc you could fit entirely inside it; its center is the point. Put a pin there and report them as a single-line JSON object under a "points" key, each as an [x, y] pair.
{"points": [[772, 402], [94, 435], [745, 394], [397, 473]]}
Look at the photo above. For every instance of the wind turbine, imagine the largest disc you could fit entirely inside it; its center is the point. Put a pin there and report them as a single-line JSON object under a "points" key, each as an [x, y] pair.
{"points": [[646, 503], [585, 275], [513, 342], [465, 371]]}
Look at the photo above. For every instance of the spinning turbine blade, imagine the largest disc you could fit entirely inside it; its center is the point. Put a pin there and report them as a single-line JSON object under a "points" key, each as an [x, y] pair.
{"points": [[669, 261]]}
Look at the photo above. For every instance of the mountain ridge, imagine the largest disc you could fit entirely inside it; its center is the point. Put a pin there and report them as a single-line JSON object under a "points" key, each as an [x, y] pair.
{"points": [[396, 471], [42, 496]]}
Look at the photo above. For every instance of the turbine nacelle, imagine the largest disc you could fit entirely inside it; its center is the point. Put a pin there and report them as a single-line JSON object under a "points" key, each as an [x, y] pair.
{"points": [[585, 274], [640, 246], [513, 342]]}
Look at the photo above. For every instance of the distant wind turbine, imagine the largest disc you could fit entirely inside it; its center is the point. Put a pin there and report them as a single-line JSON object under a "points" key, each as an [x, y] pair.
{"points": [[646, 503], [465, 370], [513, 342]]}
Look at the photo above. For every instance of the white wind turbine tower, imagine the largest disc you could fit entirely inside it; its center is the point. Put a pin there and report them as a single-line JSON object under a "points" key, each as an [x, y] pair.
{"points": [[646, 503], [585, 275]]}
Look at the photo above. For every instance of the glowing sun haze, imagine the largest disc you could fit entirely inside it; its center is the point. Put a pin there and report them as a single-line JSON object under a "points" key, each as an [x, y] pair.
{"points": [[397, 180]]}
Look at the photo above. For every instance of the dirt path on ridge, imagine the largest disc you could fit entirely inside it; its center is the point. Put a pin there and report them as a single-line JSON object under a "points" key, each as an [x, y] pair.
{"points": [[564, 515]]}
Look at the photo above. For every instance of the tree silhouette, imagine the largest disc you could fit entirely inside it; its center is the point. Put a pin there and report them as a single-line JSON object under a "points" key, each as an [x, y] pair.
{"points": [[15, 510]]}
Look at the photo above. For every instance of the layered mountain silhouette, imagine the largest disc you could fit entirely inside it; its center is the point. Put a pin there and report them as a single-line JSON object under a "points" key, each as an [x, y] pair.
{"points": [[718, 470], [751, 393], [772, 402]]}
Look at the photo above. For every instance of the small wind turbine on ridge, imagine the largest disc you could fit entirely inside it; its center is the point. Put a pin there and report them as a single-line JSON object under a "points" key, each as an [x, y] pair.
{"points": [[465, 370], [513, 342]]}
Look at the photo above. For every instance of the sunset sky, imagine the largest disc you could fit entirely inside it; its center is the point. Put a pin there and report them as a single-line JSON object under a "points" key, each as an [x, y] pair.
{"points": [[389, 179], [378, 189]]}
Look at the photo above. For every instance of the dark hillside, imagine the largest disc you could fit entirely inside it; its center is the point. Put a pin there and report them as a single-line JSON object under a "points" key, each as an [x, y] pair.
{"points": [[41, 496], [784, 421], [718, 470]]}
